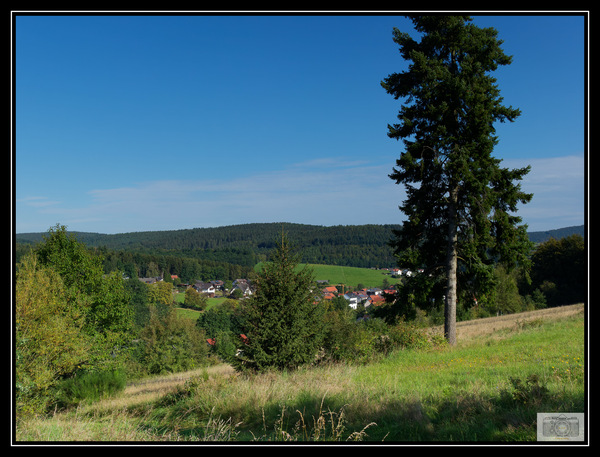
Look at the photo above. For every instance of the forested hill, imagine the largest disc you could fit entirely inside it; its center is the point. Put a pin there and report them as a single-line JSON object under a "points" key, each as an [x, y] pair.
{"points": [[247, 244], [540, 237]]}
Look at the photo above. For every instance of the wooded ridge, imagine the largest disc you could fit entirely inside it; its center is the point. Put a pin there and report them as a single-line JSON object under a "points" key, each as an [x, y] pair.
{"points": [[247, 244]]}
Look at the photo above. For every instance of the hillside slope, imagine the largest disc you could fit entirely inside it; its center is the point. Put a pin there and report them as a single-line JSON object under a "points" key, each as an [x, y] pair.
{"points": [[348, 245], [363, 246]]}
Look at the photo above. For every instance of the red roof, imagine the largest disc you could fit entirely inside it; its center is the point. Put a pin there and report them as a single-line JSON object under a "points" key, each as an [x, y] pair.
{"points": [[376, 299]]}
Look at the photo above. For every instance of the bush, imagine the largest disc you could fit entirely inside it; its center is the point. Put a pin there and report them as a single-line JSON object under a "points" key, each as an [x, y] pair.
{"points": [[90, 386], [363, 341], [404, 335], [170, 343]]}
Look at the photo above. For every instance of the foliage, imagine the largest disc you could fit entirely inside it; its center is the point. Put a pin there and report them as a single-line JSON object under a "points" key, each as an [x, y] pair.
{"points": [[50, 342], [69, 315], [110, 311], [80, 270], [160, 292], [187, 265], [194, 299], [89, 386], [101, 299], [283, 321], [460, 203], [506, 299], [138, 293], [224, 318], [560, 270], [170, 343]]}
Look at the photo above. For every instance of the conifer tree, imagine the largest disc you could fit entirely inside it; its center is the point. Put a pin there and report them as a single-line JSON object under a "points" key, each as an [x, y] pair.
{"points": [[283, 321], [460, 203]]}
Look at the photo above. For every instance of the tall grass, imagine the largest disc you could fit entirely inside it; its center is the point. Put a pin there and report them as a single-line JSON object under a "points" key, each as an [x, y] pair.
{"points": [[486, 389]]}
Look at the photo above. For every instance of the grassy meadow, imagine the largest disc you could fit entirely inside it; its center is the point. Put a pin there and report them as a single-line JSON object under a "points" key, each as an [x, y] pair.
{"points": [[487, 388], [349, 276]]}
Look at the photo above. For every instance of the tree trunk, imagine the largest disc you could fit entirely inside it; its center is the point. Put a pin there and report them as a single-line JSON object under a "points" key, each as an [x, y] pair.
{"points": [[451, 266]]}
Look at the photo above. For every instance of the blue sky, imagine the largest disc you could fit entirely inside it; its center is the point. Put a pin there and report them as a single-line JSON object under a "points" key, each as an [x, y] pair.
{"points": [[134, 123]]}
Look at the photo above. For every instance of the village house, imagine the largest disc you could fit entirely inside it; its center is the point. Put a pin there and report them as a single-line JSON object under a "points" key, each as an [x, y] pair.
{"points": [[242, 285], [374, 291], [150, 280], [205, 288], [356, 298], [330, 290], [375, 300]]}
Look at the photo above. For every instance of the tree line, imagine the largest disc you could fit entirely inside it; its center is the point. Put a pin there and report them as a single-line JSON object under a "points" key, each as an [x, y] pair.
{"points": [[159, 264], [248, 244]]}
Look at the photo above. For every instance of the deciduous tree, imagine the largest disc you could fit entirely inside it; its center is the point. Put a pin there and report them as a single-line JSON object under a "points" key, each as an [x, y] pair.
{"points": [[49, 342]]}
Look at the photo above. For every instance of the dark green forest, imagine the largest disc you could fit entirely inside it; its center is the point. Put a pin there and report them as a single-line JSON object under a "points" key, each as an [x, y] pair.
{"points": [[230, 252]]}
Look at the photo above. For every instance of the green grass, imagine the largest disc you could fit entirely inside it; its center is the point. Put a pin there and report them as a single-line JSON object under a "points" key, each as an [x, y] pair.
{"points": [[192, 313], [488, 388], [350, 276]]}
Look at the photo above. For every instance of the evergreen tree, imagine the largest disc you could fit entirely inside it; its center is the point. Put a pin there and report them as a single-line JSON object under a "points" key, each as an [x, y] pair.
{"points": [[284, 323], [459, 202]]}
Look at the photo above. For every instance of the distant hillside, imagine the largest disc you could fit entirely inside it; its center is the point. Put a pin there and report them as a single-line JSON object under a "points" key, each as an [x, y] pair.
{"points": [[540, 237], [247, 244]]}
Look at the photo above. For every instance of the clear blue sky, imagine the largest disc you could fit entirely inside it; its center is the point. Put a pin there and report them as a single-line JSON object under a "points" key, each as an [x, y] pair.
{"points": [[134, 123]]}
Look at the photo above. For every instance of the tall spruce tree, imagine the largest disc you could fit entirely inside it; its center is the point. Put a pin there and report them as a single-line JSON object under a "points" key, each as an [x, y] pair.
{"points": [[283, 323], [460, 204]]}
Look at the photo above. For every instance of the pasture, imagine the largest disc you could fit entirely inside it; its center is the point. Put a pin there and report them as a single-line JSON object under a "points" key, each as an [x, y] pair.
{"points": [[351, 277]]}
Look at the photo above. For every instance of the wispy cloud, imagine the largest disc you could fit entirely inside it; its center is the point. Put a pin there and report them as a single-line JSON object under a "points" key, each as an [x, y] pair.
{"points": [[558, 188], [326, 191], [38, 202]]}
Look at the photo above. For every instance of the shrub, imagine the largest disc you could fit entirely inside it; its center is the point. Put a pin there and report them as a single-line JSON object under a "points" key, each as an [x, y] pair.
{"points": [[90, 386], [170, 343], [405, 335]]}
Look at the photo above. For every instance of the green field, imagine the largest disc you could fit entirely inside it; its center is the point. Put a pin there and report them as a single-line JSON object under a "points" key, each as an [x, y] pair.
{"points": [[487, 388], [349, 276]]}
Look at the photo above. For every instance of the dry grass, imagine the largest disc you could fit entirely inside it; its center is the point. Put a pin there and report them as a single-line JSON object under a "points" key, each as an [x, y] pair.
{"points": [[467, 330], [148, 390]]}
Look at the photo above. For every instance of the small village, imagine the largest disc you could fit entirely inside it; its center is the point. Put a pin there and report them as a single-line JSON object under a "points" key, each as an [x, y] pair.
{"points": [[242, 288]]}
